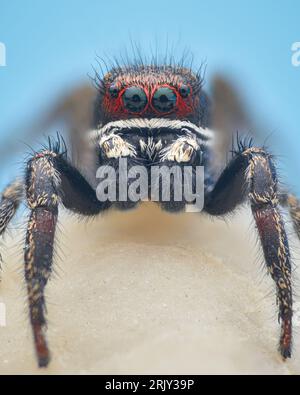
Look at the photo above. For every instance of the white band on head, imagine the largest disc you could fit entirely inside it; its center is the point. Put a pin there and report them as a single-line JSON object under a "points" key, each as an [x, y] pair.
{"points": [[156, 123]]}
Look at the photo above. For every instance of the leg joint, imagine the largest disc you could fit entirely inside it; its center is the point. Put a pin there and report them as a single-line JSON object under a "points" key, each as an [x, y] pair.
{"points": [[261, 177]]}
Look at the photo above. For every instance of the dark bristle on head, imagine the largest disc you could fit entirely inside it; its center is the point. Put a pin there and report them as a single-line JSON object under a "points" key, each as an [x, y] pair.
{"points": [[150, 72], [104, 75]]}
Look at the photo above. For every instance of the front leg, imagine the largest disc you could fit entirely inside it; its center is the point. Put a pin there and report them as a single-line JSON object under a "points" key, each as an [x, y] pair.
{"points": [[10, 201], [49, 179], [252, 173]]}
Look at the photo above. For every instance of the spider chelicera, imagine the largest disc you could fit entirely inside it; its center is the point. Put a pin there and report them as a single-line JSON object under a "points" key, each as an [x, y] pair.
{"points": [[151, 115]]}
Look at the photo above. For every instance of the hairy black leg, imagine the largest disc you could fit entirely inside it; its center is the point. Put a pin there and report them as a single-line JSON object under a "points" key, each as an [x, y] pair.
{"points": [[10, 201], [293, 204], [75, 192], [48, 178], [252, 173]]}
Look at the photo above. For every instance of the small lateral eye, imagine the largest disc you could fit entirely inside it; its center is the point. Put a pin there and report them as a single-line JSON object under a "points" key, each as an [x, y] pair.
{"points": [[164, 99], [184, 91], [134, 99], [114, 91]]}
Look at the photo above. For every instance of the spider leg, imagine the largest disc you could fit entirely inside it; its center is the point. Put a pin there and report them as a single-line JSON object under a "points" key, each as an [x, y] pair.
{"points": [[10, 201], [49, 179], [293, 204], [252, 173]]}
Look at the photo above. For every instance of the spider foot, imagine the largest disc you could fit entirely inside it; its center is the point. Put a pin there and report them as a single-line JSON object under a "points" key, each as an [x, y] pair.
{"points": [[41, 347], [285, 345]]}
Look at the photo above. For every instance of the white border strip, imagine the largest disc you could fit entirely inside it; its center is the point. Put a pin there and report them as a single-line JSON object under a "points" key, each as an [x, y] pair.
{"points": [[156, 123]]}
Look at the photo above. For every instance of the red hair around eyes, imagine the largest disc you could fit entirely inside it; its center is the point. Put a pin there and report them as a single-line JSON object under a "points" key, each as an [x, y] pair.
{"points": [[114, 103]]}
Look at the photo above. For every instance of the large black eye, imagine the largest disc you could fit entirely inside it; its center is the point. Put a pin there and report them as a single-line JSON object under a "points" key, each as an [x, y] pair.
{"points": [[134, 99], [164, 99]]}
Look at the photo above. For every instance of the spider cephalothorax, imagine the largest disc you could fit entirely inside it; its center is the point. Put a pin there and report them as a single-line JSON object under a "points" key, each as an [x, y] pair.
{"points": [[150, 116]]}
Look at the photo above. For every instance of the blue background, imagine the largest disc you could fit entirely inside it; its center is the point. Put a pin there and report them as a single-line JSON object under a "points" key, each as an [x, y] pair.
{"points": [[52, 44]]}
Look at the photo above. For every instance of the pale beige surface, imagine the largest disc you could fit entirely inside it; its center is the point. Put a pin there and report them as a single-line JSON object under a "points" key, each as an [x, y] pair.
{"points": [[147, 292]]}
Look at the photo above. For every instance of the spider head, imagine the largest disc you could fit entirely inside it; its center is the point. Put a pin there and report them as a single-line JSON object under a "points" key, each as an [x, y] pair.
{"points": [[152, 92]]}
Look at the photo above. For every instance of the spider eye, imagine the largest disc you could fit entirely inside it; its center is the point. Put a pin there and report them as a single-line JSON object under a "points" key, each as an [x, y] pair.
{"points": [[184, 91], [114, 91], [134, 99], [164, 99]]}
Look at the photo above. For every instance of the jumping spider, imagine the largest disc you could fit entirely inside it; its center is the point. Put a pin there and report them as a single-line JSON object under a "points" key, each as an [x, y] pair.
{"points": [[150, 115]]}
